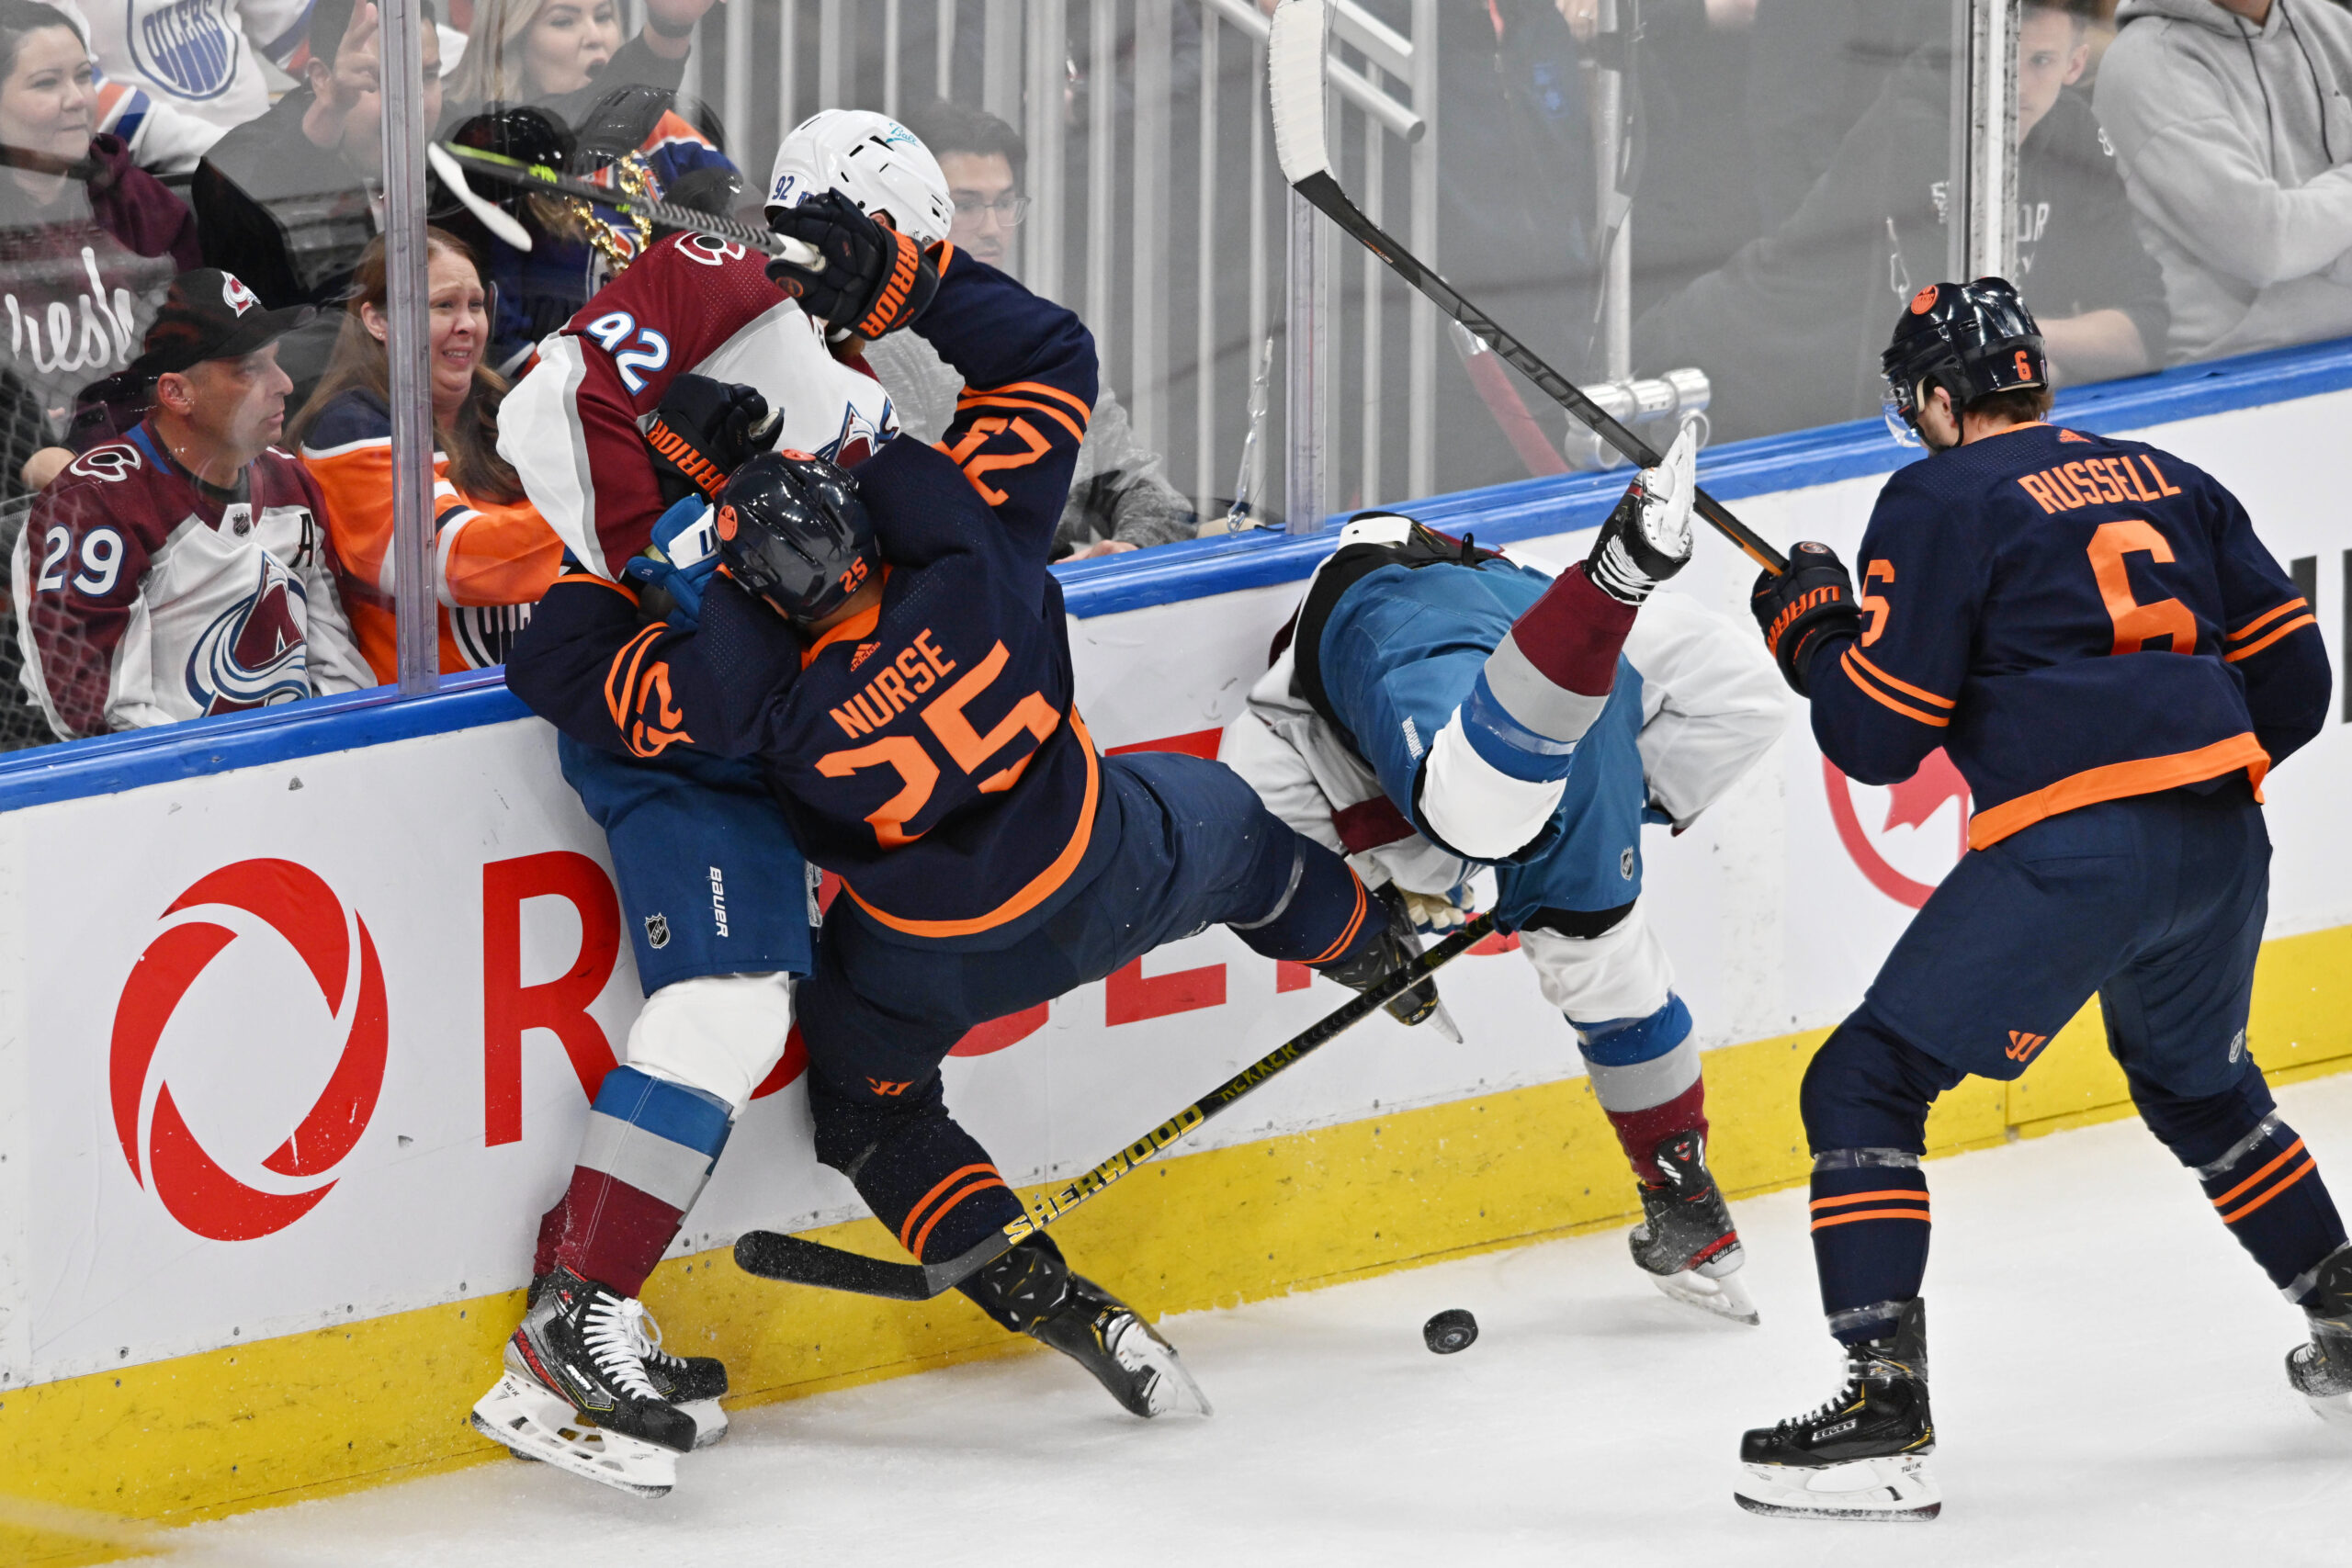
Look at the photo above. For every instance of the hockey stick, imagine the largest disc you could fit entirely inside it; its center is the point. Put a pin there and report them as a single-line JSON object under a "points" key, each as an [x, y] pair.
{"points": [[669, 215], [773, 1255], [1294, 84]]}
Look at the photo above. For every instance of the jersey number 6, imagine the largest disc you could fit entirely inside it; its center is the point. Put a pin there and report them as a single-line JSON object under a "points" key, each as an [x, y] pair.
{"points": [[966, 746], [2136, 623]]}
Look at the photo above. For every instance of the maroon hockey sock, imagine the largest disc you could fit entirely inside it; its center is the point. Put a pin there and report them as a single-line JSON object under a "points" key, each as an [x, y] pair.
{"points": [[1574, 633], [1639, 1132], [644, 1158], [550, 1235]]}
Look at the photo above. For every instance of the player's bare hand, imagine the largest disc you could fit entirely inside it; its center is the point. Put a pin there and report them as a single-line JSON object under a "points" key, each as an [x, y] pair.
{"points": [[1100, 547]]}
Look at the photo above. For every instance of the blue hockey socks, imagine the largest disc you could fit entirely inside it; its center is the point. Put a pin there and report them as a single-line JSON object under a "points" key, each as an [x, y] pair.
{"points": [[924, 1176], [1318, 913]]}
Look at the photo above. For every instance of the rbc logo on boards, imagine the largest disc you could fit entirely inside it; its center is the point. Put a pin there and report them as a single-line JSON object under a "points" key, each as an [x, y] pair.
{"points": [[197, 1189]]}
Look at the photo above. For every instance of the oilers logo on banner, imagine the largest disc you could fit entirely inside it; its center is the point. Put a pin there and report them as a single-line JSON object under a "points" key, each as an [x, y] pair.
{"points": [[190, 47], [252, 655]]}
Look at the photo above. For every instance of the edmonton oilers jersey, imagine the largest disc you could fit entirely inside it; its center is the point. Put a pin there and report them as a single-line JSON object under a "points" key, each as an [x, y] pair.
{"points": [[2074, 618], [925, 749]]}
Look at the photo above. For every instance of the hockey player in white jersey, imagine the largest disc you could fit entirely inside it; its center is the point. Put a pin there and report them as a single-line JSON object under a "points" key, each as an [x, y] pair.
{"points": [[633, 414], [1441, 708]]}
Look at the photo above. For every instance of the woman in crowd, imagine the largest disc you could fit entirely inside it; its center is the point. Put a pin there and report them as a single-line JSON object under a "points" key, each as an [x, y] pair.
{"points": [[604, 103], [493, 556], [87, 243]]}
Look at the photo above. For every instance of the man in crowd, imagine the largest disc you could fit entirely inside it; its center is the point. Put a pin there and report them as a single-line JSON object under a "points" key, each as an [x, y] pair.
{"points": [[2231, 122], [186, 570], [1121, 498], [1789, 328]]}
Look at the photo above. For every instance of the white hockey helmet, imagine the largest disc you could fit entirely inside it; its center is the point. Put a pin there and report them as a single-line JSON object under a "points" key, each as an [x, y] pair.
{"points": [[873, 161]]}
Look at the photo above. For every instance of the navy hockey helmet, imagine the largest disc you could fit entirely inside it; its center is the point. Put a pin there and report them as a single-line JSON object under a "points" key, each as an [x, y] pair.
{"points": [[792, 530], [1971, 338]]}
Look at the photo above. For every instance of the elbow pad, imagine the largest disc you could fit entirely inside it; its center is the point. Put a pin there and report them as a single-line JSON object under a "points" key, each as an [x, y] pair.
{"points": [[1477, 809]]}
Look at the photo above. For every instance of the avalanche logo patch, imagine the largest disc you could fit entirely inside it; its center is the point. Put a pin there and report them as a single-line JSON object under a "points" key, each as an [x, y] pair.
{"points": [[189, 47], [859, 435], [251, 654]]}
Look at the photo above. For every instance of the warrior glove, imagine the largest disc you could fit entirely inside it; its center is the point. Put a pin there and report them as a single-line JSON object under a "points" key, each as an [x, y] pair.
{"points": [[1647, 539], [873, 279], [703, 431], [1803, 607]]}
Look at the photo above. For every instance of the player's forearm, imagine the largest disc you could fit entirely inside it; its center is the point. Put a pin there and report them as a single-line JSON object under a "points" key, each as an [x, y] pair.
{"points": [[2288, 691], [1875, 731], [997, 334], [562, 659], [2098, 345]]}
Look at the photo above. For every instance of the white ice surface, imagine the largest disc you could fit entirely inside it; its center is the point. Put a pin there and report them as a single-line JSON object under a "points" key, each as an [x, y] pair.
{"points": [[2107, 1377]]}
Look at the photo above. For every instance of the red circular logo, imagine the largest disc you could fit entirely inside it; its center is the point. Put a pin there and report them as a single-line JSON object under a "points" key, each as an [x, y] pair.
{"points": [[197, 1190], [1910, 804]]}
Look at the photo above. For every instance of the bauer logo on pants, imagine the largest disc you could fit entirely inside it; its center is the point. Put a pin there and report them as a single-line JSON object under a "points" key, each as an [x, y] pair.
{"points": [[171, 1160]]}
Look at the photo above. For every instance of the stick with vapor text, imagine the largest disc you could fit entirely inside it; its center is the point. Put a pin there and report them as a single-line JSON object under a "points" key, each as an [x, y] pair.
{"points": [[773, 1256], [1295, 83]]}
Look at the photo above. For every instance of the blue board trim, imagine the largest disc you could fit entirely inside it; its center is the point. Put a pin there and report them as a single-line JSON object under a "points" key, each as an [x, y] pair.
{"points": [[1172, 574]]}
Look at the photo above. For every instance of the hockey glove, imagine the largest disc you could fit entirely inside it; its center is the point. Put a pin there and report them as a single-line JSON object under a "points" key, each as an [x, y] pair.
{"points": [[1433, 914], [1647, 539], [703, 431], [874, 279], [1803, 608], [676, 567]]}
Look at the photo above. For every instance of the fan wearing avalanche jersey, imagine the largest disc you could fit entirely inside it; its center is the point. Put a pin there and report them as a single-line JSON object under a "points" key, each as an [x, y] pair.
{"points": [[186, 569], [887, 647], [713, 889], [2114, 662]]}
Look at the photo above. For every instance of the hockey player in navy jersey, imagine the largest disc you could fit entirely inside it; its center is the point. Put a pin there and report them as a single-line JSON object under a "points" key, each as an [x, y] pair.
{"points": [[885, 645], [688, 360], [2092, 631], [1440, 708]]}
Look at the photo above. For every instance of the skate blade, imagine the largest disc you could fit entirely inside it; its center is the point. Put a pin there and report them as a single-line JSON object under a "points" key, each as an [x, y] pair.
{"points": [[1173, 1390], [1895, 1490], [535, 1424], [2332, 1408], [710, 1421], [1726, 1297]]}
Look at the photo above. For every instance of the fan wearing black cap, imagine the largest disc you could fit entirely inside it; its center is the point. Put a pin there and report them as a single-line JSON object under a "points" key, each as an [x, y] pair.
{"points": [[186, 569], [2092, 631]]}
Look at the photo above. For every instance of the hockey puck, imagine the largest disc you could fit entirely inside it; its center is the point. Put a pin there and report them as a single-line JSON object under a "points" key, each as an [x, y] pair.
{"points": [[1451, 1330]]}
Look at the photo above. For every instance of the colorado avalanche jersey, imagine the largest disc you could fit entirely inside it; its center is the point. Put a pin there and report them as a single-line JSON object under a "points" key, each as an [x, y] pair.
{"points": [[927, 749], [573, 426], [2073, 618], [1694, 704], [149, 600]]}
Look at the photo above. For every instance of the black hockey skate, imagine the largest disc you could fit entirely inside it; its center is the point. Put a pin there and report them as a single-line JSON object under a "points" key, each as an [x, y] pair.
{"points": [[1863, 1455], [693, 1384], [1686, 1240], [1031, 1291], [575, 1392], [2322, 1370], [1393, 949]]}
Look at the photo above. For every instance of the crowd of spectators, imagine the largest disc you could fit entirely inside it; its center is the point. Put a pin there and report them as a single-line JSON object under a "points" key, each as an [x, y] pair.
{"points": [[196, 471]]}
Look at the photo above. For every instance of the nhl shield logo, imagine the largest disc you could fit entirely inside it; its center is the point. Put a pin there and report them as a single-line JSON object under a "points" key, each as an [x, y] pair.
{"points": [[657, 932]]}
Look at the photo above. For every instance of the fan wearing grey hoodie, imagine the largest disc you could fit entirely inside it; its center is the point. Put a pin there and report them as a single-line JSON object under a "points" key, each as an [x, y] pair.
{"points": [[2231, 124]]}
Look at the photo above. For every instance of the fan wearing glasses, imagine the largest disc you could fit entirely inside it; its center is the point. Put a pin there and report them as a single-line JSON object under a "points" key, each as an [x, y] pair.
{"points": [[1120, 498]]}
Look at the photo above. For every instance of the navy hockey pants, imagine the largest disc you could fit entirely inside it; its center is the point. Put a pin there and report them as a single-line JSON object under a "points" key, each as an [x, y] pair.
{"points": [[2156, 903], [711, 880]]}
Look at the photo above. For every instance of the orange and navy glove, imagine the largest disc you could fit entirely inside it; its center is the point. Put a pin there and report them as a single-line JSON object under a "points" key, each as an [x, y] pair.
{"points": [[703, 431], [874, 280], [1804, 607]]}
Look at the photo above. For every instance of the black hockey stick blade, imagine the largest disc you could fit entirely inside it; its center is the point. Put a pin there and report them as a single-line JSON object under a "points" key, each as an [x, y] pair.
{"points": [[668, 215], [1295, 86], [773, 1255]]}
